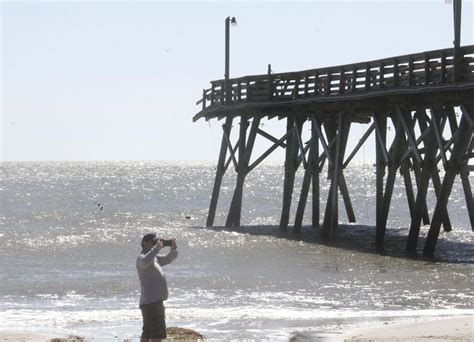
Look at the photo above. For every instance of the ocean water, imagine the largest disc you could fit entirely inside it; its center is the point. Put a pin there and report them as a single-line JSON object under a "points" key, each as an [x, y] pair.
{"points": [[68, 266]]}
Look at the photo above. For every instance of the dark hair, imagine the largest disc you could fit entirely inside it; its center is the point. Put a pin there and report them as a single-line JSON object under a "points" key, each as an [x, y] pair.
{"points": [[149, 237]]}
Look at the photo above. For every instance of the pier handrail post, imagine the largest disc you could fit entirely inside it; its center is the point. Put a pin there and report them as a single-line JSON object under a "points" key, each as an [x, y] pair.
{"points": [[270, 82]]}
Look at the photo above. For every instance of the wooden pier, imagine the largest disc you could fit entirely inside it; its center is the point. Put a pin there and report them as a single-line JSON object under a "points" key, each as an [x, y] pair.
{"points": [[428, 97]]}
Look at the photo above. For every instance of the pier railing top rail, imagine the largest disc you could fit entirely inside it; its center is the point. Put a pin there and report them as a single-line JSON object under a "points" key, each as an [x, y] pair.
{"points": [[427, 69]]}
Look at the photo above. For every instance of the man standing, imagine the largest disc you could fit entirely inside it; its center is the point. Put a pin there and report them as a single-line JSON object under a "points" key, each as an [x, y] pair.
{"points": [[154, 289]]}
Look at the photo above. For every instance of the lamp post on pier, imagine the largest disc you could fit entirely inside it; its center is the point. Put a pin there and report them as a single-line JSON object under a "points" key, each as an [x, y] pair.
{"points": [[228, 22], [457, 40], [226, 129]]}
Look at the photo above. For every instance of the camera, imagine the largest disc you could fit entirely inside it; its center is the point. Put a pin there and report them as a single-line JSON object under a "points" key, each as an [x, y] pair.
{"points": [[167, 243]]}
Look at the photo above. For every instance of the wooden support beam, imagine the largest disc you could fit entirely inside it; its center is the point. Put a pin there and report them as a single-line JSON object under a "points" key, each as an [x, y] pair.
{"points": [[317, 127], [409, 152], [220, 171], [269, 151], [426, 171], [300, 143], [405, 164], [315, 179], [465, 170], [453, 124], [271, 138], [231, 150], [437, 129], [327, 153], [251, 141], [331, 126], [447, 147], [321, 162], [461, 145], [470, 151], [302, 155], [380, 121], [417, 172], [421, 117], [405, 172], [346, 198], [230, 159], [290, 169], [381, 135], [342, 181], [359, 145], [397, 152], [245, 152], [308, 174], [464, 173], [468, 118], [244, 123], [331, 215], [343, 130], [437, 186], [322, 158], [438, 134], [411, 141]]}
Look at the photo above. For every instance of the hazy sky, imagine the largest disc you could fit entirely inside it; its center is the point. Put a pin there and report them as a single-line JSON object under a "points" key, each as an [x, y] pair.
{"points": [[83, 80]]}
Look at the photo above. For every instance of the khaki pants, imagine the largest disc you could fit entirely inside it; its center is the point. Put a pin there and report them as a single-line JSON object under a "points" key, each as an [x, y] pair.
{"points": [[154, 325]]}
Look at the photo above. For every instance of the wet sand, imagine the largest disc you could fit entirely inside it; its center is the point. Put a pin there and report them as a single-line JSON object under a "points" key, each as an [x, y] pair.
{"points": [[444, 329], [28, 336], [174, 334]]}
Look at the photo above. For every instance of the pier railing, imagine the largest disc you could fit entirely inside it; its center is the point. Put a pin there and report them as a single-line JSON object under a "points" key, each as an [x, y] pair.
{"points": [[427, 69]]}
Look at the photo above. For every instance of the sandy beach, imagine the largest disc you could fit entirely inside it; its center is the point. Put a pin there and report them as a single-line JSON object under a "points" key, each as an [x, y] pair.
{"points": [[443, 329]]}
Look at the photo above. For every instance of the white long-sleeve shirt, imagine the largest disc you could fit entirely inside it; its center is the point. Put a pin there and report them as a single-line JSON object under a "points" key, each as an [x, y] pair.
{"points": [[152, 279]]}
